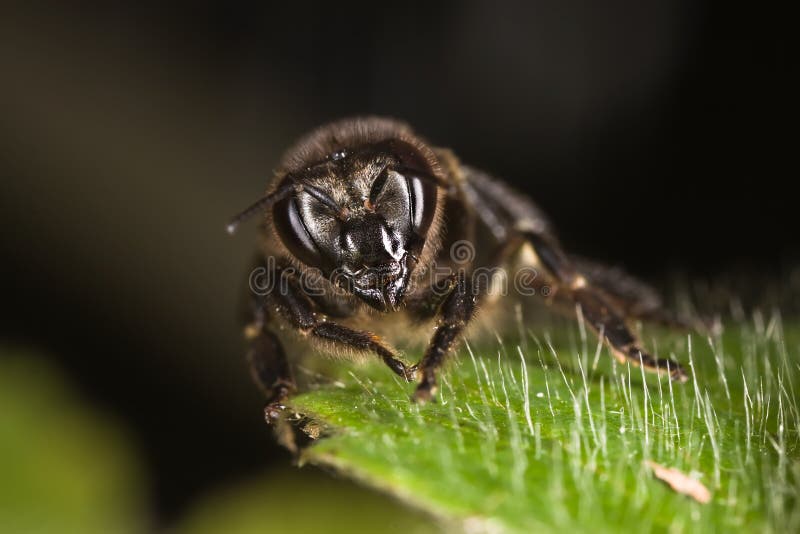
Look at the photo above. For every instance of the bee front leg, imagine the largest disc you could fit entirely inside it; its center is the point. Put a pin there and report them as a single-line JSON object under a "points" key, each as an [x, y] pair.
{"points": [[454, 314], [299, 312]]}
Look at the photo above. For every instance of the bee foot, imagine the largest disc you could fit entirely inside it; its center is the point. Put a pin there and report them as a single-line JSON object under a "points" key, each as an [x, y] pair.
{"points": [[273, 412], [410, 373], [679, 375], [425, 392]]}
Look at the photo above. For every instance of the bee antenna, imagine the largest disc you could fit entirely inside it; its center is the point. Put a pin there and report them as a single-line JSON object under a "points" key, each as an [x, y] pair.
{"points": [[262, 204]]}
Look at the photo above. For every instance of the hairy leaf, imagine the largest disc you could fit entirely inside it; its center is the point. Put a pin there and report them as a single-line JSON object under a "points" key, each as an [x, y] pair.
{"points": [[550, 434]]}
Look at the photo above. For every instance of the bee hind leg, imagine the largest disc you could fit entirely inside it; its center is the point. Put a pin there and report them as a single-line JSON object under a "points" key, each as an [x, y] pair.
{"points": [[600, 311], [606, 299], [633, 297]]}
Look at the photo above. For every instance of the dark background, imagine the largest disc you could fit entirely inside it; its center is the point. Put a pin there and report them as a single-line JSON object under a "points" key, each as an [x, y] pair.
{"points": [[656, 135]]}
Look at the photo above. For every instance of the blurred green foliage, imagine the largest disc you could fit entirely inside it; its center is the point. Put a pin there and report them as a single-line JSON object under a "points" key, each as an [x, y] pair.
{"points": [[66, 469], [62, 468], [304, 501]]}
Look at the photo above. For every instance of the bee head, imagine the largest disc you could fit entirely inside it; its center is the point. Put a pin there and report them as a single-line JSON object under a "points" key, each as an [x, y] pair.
{"points": [[361, 216]]}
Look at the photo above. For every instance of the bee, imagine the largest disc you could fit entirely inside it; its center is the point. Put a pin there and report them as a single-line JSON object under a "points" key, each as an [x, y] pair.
{"points": [[361, 226]]}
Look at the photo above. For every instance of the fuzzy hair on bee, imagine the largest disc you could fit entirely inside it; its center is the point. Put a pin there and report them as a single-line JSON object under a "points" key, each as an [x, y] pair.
{"points": [[364, 223]]}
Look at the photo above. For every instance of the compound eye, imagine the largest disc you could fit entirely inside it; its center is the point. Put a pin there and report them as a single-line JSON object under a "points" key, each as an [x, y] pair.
{"points": [[423, 194], [392, 199], [290, 217], [407, 202], [420, 184]]}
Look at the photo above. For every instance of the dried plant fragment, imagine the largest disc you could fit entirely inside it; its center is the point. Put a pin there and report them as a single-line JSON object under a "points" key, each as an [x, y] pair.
{"points": [[681, 482]]}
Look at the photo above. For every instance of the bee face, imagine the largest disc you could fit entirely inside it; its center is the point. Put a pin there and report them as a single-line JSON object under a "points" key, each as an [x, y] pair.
{"points": [[361, 216]]}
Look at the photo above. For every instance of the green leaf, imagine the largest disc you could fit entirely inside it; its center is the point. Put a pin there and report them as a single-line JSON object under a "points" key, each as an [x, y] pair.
{"points": [[551, 434], [63, 468]]}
